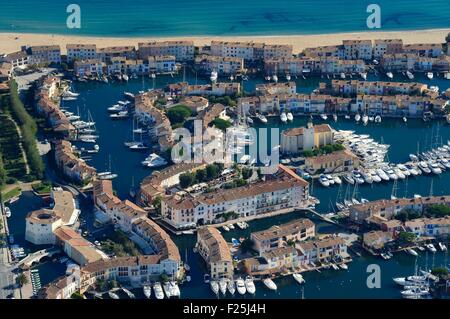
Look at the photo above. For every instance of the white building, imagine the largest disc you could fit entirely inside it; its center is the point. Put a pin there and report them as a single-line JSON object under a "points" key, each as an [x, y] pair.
{"points": [[162, 64], [44, 54], [81, 52]]}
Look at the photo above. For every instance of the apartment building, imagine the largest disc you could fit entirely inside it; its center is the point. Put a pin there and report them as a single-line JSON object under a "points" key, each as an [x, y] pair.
{"points": [[387, 46], [276, 88], [285, 192], [88, 67], [336, 51], [356, 87], [17, 59], [338, 161], [215, 89], [181, 50], [215, 252], [430, 50], [281, 235], [124, 65], [398, 62], [162, 64], [44, 54], [81, 52], [387, 209], [250, 51], [106, 54], [321, 250], [357, 49], [219, 64], [299, 139]]}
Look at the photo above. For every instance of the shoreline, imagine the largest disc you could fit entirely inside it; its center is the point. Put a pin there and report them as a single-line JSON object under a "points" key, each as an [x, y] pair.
{"points": [[10, 41]]}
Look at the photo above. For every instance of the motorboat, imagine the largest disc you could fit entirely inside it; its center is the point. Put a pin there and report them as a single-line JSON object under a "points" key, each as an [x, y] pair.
{"points": [[250, 285], [335, 118], [363, 75], [367, 178], [404, 119], [399, 173], [113, 295], [223, 286], [378, 119], [342, 75], [108, 176], [412, 170], [435, 169], [343, 266], [405, 171], [140, 146], [213, 76], [225, 228], [231, 287], [442, 247], [147, 291], [249, 120], [262, 118], [283, 117], [413, 158], [390, 172], [430, 75], [128, 95], [375, 177], [214, 286], [337, 180], [424, 167], [125, 77], [7, 212], [128, 293], [275, 78], [358, 177], [230, 226], [410, 75], [159, 294], [116, 108], [357, 118], [240, 286], [119, 115], [417, 291], [154, 160], [365, 119], [290, 117], [382, 174], [349, 179], [298, 278], [324, 116], [412, 252], [323, 180], [390, 75], [270, 284], [431, 248]]}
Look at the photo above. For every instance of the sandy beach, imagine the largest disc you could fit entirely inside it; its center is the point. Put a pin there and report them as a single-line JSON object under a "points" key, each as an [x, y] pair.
{"points": [[10, 42]]}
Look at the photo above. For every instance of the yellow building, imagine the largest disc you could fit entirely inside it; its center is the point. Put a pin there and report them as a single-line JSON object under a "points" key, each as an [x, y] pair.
{"points": [[298, 139]]}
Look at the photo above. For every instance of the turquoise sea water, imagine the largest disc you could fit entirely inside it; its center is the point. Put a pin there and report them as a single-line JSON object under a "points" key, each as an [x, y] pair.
{"points": [[219, 17]]}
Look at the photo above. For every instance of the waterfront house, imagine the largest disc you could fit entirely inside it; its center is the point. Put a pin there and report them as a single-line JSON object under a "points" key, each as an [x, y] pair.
{"points": [[356, 87], [162, 64], [298, 139], [387, 46], [336, 51], [17, 59], [195, 103], [71, 166], [338, 161], [181, 50], [106, 54], [81, 52], [323, 250], [357, 49], [250, 51], [88, 67], [44, 54], [281, 235], [222, 65], [377, 239], [276, 88], [215, 251], [430, 50]]}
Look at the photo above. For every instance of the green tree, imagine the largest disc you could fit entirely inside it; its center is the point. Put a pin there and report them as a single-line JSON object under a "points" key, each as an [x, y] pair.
{"points": [[212, 171], [178, 114], [157, 204], [200, 175], [76, 295], [247, 173], [187, 179], [438, 210], [406, 237], [21, 280]]}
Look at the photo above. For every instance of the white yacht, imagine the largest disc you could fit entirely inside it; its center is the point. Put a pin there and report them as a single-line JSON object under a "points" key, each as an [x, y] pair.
{"points": [[213, 76], [159, 294], [390, 75], [113, 295], [416, 291], [375, 177], [288, 77], [125, 77], [154, 160], [7, 211], [399, 173], [283, 117], [337, 180], [378, 119], [231, 287], [240, 286], [430, 75], [250, 285], [174, 289], [167, 289], [390, 172], [410, 75], [323, 180], [262, 118], [290, 117], [147, 291], [270, 284], [435, 169], [298, 278], [442, 247], [424, 167], [367, 177], [431, 248], [412, 252], [404, 119], [357, 118], [363, 75], [275, 78], [324, 116], [402, 168], [382, 174], [214, 286], [225, 228], [365, 119]]}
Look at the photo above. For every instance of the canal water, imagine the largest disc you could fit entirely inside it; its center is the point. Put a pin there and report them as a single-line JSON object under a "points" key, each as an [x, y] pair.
{"points": [[402, 137]]}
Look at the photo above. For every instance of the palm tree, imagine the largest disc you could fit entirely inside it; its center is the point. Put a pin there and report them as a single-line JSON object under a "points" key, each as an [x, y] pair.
{"points": [[21, 280]]}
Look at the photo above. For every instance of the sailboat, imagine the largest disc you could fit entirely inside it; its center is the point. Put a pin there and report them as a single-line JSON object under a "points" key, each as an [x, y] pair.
{"points": [[108, 174]]}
